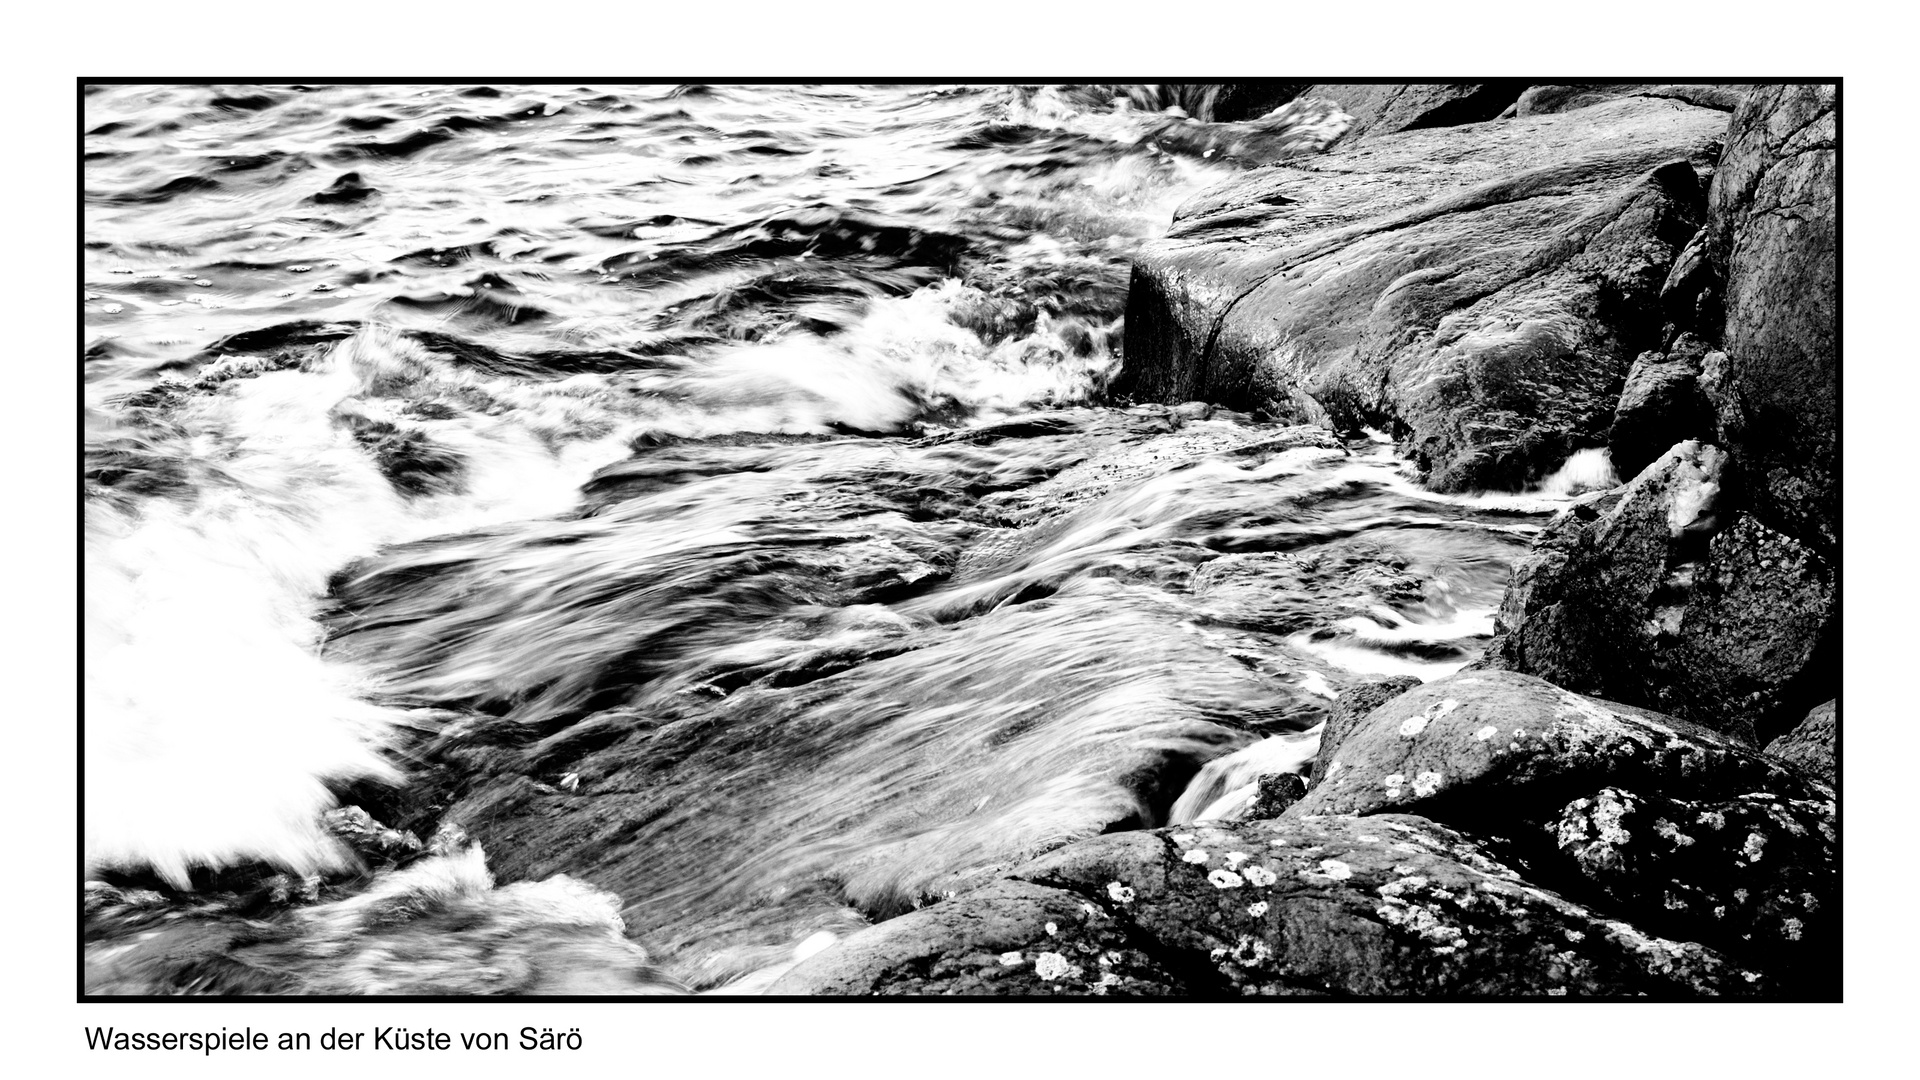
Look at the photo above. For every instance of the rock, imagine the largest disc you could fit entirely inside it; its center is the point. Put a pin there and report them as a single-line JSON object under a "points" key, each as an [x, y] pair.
{"points": [[1384, 108], [1479, 292], [1773, 235], [1336, 906], [371, 840], [1660, 405], [1673, 837], [1810, 745], [1660, 596], [1350, 710], [1541, 100], [1753, 875], [1277, 791], [1489, 751]]}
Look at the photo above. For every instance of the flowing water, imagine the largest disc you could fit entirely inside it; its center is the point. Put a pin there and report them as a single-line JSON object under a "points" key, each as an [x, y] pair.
{"points": [[710, 494]]}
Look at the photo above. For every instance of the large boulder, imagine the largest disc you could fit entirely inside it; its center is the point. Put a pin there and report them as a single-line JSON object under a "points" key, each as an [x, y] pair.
{"points": [[1773, 236], [1328, 907], [1690, 833], [1483, 749], [1481, 292], [1660, 595]]}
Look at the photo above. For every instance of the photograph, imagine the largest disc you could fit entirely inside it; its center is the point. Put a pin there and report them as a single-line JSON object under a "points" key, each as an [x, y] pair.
{"points": [[1205, 541]]}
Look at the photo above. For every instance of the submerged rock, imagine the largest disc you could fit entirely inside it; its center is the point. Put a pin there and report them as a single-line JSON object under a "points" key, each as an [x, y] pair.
{"points": [[1480, 292], [1326, 907]]}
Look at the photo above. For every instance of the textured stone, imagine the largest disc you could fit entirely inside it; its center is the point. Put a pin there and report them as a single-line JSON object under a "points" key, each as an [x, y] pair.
{"points": [[1660, 405], [1656, 595], [1773, 234], [1333, 907], [1811, 743], [1490, 750], [1753, 875], [1350, 710]]}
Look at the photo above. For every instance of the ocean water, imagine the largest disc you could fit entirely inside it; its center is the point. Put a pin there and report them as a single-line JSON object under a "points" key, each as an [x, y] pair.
{"points": [[696, 514]]}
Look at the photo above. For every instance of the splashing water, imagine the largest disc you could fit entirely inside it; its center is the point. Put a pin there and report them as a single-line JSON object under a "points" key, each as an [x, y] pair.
{"points": [[705, 498]]}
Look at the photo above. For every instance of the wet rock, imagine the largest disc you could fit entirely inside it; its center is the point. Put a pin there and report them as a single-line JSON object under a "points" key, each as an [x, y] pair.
{"points": [[1384, 108], [1773, 236], [1350, 710], [1658, 596], [1480, 292], [368, 838], [1277, 791], [1754, 875], [1327, 907], [1489, 750], [1810, 745], [1660, 405], [347, 188], [1555, 98]]}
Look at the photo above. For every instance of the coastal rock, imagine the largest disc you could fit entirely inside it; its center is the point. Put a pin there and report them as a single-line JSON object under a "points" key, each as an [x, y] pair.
{"points": [[1773, 233], [1754, 875], [1350, 710], [1565, 97], [1479, 292], [1810, 745], [1489, 750], [1660, 405], [1384, 108], [1655, 595], [1328, 907]]}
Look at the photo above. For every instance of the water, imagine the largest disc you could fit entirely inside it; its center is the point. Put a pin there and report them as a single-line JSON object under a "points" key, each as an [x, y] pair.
{"points": [[708, 494]]}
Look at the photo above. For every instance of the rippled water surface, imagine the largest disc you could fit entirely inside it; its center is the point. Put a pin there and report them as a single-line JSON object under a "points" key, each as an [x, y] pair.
{"points": [[707, 493]]}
